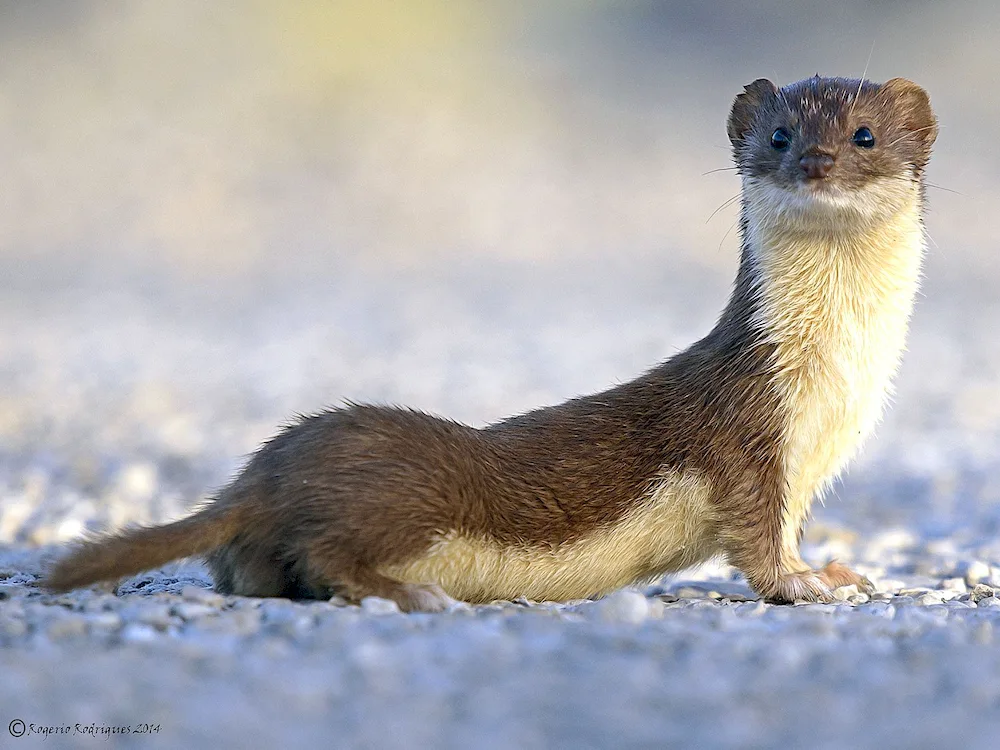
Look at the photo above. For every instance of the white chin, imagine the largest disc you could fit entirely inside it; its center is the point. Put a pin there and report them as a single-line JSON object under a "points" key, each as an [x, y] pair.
{"points": [[805, 204], [824, 195]]}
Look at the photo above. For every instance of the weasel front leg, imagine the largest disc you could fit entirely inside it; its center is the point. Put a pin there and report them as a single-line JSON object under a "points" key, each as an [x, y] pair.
{"points": [[762, 540]]}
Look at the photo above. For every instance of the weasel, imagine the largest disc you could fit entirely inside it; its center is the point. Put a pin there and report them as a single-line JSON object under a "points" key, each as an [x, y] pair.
{"points": [[719, 450]]}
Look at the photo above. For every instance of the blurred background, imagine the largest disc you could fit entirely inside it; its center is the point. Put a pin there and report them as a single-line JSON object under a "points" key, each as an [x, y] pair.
{"points": [[214, 215]]}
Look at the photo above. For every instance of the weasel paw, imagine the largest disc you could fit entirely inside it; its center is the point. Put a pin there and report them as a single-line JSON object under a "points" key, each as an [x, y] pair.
{"points": [[423, 597], [817, 585]]}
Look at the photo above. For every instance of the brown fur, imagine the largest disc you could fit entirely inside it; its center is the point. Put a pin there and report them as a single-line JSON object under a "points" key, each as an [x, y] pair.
{"points": [[337, 499]]}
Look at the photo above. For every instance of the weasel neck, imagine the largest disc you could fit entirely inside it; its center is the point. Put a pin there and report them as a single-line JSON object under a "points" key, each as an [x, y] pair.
{"points": [[819, 291], [833, 306]]}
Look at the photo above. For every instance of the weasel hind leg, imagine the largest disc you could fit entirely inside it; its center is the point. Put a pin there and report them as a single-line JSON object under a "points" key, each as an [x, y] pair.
{"points": [[411, 597], [250, 570]]}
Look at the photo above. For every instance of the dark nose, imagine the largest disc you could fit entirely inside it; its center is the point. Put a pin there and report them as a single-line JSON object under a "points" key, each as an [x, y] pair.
{"points": [[816, 166]]}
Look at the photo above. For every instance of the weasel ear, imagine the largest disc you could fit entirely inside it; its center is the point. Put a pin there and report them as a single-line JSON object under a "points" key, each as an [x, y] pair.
{"points": [[746, 105], [913, 108]]}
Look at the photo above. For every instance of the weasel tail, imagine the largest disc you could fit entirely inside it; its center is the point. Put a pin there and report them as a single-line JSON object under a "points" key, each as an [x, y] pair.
{"points": [[134, 550]]}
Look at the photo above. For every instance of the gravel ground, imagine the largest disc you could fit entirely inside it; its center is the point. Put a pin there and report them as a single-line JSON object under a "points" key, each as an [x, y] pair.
{"points": [[215, 222], [135, 415]]}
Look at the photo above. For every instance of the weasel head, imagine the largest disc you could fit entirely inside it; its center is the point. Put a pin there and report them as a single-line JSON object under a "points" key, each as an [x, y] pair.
{"points": [[831, 152]]}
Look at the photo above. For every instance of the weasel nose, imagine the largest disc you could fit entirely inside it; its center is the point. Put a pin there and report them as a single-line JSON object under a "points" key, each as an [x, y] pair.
{"points": [[816, 166]]}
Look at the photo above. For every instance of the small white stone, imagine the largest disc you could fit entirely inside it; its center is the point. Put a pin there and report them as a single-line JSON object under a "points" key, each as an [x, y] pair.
{"points": [[656, 608], [914, 592], [896, 539], [977, 572], [193, 610], [69, 528], [954, 584], [137, 632], [844, 593], [931, 597], [203, 596], [138, 481], [156, 615], [752, 609], [12, 627], [988, 602], [889, 585], [13, 515], [942, 547], [376, 605], [67, 626], [624, 606], [879, 609], [246, 622], [105, 621]]}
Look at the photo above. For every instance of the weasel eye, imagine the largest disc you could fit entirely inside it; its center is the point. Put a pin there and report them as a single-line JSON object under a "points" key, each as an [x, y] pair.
{"points": [[863, 138], [780, 139]]}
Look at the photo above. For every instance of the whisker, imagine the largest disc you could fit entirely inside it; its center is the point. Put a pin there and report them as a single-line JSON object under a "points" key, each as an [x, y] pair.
{"points": [[781, 93], [933, 241], [720, 169], [947, 190], [722, 241], [726, 204], [908, 133], [863, 74]]}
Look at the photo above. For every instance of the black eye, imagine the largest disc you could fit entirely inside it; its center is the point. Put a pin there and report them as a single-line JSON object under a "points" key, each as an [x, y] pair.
{"points": [[863, 138], [780, 139]]}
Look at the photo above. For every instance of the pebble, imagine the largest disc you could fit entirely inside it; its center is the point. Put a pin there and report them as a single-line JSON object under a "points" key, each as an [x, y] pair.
{"points": [[104, 621], [12, 627], [193, 610], [878, 609], [954, 584], [203, 596], [895, 539], [844, 593], [981, 591], [960, 604], [624, 606], [914, 592], [890, 585], [137, 632], [67, 626], [988, 602], [942, 547], [752, 609], [376, 605], [976, 572], [156, 615]]}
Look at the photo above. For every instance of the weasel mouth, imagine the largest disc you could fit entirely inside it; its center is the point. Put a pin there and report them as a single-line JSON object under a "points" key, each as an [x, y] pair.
{"points": [[819, 190]]}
